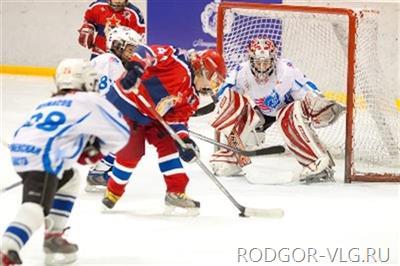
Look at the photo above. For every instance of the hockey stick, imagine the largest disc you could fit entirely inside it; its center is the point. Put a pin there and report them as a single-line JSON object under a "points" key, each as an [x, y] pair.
{"points": [[16, 184], [244, 211], [264, 151]]}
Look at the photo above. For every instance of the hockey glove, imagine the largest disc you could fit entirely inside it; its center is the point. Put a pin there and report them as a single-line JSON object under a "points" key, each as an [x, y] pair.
{"points": [[135, 71], [91, 154], [86, 35], [190, 154]]}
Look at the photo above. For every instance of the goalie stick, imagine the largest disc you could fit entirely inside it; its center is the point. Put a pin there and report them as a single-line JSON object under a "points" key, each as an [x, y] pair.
{"points": [[244, 211], [263, 151]]}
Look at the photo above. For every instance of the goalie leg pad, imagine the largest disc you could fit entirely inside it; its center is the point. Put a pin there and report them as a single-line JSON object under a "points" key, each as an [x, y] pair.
{"points": [[225, 163], [299, 136]]}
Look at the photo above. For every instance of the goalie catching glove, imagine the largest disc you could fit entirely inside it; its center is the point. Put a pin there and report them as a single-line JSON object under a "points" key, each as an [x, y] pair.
{"points": [[190, 153], [91, 154]]}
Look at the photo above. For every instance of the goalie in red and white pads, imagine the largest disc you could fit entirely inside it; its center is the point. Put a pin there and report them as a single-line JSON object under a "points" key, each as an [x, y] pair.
{"points": [[265, 89]]}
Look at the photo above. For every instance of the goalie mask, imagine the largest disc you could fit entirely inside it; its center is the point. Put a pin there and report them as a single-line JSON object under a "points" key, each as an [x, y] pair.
{"points": [[76, 74], [210, 70], [262, 56], [122, 40], [118, 5]]}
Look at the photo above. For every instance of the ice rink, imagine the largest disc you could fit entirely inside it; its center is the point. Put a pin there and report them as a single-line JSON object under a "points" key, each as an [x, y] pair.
{"points": [[324, 224]]}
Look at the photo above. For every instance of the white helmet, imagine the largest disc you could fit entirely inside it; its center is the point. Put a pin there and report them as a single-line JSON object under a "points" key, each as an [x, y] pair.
{"points": [[263, 56], [76, 73], [120, 36]]}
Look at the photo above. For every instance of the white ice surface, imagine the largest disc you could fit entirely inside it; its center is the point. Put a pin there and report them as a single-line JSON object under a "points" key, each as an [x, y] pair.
{"points": [[322, 217]]}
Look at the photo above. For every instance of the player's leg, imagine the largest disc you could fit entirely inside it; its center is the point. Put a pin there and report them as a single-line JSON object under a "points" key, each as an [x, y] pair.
{"points": [[98, 175], [125, 161], [39, 189], [295, 122], [172, 169], [58, 250]]}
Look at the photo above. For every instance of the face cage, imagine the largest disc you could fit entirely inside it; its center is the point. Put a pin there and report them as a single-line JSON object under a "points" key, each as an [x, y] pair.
{"points": [[215, 80], [262, 68]]}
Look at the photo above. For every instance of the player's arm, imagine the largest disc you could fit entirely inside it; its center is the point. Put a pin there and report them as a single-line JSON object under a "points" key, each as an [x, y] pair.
{"points": [[88, 29]]}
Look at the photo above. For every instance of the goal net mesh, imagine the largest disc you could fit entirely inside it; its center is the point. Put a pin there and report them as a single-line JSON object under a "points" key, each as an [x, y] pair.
{"points": [[318, 45]]}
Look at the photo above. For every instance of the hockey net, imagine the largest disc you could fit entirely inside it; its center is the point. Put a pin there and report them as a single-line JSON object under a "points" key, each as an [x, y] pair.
{"points": [[337, 49]]}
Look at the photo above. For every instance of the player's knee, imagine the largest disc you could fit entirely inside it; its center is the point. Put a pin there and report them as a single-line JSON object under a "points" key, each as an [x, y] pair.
{"points": [[69, 183], [39, 187]]}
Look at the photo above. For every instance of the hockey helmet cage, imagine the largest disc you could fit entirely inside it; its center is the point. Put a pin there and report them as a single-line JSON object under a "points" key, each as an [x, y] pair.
{"points": [[211, 64], [263, 56]]}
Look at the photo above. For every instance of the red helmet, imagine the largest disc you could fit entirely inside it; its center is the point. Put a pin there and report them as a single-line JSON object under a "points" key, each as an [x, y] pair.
{"points": [[210, 62]]}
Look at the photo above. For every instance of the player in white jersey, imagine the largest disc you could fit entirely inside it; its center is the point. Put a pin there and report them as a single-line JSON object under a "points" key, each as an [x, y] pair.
{"points": [[120, 42], [75, 125], [275, 90]]}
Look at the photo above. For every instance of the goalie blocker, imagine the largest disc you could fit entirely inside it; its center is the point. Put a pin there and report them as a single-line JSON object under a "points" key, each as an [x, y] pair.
{"points": [[238, 121]]}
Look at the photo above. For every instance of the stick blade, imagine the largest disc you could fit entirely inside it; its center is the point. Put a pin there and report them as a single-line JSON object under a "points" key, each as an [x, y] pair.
{"points": [[266, 213]]}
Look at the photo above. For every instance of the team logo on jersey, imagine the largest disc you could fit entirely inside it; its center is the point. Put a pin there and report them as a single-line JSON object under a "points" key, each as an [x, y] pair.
{"points": [[111, 23], [166, 103], [270, 102]]}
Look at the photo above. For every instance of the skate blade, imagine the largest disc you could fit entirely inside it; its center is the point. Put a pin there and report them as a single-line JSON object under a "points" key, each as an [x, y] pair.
{"points": [[95, 188], [55, 259], [175, 211]]}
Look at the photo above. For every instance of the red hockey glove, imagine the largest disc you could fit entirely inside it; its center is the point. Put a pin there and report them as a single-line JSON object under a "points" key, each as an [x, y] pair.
{"points": [[91, 154], [86, 35]]}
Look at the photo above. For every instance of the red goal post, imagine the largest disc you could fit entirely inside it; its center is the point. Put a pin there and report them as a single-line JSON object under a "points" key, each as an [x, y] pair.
{"points": [[334, 47]]}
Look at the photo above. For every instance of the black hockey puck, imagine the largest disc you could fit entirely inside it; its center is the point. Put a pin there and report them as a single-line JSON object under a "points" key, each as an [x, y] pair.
{"points": [[242, 215]]}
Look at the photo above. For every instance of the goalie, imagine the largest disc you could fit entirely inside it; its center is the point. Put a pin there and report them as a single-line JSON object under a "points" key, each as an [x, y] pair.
{"points": [[267, 89]]}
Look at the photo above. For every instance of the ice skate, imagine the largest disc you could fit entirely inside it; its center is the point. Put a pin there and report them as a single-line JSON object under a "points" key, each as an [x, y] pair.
{"points": [[179, 204], [10, 258], [58, 250], [96, 180], [110, 199], [324, 176]]}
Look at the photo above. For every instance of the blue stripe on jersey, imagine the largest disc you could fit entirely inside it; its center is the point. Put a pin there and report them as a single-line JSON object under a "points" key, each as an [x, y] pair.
{"points": [[178, 127], [46, 153], [120, 174], [80, 145], [174, 163], [137, 11], [312, 86], [156, 89], [100, 30], [298, 83], [115, 121], [126, 108], [18, 232], [223, 88], [143, 50]]}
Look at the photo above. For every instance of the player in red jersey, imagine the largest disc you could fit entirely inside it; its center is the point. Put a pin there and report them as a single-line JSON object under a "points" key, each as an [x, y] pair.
{"points": [[170, 79], [102, 16]]}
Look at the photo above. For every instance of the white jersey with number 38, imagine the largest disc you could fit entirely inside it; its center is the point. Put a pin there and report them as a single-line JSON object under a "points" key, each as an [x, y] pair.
{"points": [[287, 84], [56, 132], [109, 68]]}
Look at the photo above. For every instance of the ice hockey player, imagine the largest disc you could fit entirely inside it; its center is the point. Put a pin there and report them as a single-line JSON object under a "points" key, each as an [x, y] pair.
{"points": [[104, 15], [121, 42], [277, 91], [75, 125], [171, 79]]}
